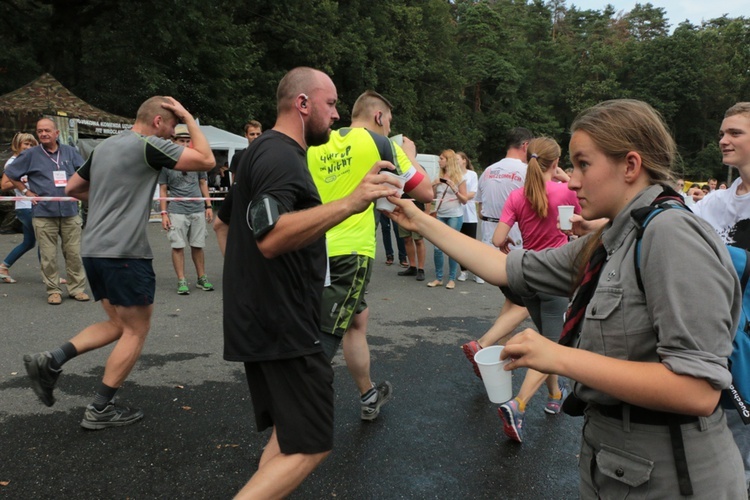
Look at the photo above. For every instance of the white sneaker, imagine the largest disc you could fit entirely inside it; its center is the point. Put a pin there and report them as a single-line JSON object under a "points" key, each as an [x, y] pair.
{"points": [[462, 276], [478, 280]]}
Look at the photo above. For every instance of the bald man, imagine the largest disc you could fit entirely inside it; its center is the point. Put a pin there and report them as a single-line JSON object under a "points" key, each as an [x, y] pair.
{"points": [[274, 271]]}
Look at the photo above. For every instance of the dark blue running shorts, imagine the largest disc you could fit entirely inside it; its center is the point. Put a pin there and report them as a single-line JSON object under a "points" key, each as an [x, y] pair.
{"points": [[123, 282]]}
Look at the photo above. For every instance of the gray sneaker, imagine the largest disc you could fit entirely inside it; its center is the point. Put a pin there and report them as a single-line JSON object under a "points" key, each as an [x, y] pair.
{"points": [[43, 377], [370, 411], [111, 416]]}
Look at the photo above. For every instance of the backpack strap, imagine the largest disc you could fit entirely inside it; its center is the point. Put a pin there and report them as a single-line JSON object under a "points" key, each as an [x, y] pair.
{"points": [[642, 217]]}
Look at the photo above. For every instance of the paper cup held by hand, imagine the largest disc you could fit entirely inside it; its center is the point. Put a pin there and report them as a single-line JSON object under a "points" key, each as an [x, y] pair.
{"points": [[498, 382], [383, 203], [566, 212]]}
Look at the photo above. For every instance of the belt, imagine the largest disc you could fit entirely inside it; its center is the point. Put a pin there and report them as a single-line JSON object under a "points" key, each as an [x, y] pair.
{"points": [[489, 219], [640, 415]]}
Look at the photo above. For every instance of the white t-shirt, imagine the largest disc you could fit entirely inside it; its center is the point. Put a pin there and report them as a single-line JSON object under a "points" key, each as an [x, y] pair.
{"points": [[472, 184], [20, 204], [728, 214], [496, 183]]}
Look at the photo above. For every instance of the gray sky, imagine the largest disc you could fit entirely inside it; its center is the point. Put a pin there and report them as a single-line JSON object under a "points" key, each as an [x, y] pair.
{"points": [[677, 10]]}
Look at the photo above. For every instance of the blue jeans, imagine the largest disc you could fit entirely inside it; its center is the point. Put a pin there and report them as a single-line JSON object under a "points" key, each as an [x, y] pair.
{"points": [[29, 240], [455, 223], [385, 227]]}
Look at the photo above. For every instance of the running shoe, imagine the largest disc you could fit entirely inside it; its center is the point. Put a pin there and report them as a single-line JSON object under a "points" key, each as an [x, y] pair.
{"points": [[43, 377], [470, 349], [182, 287], [512, 420], [203, 284], [111, 416], [478, 280], [462, 276], [370, 411], [553, 405]]}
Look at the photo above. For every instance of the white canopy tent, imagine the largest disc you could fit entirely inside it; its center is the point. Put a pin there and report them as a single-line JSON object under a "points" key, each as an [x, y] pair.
{"points": [[223, 141]]}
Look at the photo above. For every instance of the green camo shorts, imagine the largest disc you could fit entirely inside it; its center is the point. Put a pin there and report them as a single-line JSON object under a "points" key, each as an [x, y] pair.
{"points": [[345, 297]]}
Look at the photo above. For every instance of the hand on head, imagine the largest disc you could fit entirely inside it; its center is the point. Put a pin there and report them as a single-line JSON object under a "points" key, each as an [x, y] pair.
{"points": [[175, 107]]}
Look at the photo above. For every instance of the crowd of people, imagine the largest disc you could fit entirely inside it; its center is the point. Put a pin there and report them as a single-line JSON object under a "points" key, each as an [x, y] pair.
{"points": [[643, 362]]}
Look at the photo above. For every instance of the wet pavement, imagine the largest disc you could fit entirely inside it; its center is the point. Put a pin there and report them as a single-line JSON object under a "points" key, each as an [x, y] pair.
{"points": [[439, 437]]}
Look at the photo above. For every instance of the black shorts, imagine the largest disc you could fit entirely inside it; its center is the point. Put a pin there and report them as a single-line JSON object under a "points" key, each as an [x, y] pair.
{"points": [[513, 297], [295, 396], [123, 282]]}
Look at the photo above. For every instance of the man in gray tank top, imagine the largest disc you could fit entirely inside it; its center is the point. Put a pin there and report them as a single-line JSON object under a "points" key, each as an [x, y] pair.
{"points": [[118, 180]]}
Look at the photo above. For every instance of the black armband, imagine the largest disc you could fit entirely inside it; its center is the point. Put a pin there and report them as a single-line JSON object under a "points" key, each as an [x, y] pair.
{"points": [[262, 215]]}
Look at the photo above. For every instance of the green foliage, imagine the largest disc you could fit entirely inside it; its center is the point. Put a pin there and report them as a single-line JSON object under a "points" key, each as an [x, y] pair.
{"points": [[460, 73]]}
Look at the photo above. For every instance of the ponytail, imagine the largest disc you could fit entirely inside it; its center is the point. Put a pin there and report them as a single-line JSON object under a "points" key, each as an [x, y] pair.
{"points": [[534, 189], [541, 156]]}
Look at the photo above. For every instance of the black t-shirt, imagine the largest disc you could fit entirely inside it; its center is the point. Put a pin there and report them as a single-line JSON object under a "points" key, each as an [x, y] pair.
{"points": [[234, 164], [271, 306]]}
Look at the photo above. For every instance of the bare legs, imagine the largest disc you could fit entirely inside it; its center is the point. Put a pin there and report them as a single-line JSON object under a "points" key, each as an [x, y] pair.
{"points": [[127, 325], [511, 315], [278, 474], [178, 261], [357, 352]]}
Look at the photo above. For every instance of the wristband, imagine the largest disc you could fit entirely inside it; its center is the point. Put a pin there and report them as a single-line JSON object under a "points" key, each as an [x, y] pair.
{"points": [[165, 213], [25, 190], [208, 206]]}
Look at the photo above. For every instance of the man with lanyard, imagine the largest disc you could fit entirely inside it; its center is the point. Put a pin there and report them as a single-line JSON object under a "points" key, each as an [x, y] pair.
{"points": [[337, 168], [49, 166]]}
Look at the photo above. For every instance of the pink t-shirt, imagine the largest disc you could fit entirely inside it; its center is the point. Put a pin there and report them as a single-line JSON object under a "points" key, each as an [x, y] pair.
{"points": [[537, 233]]}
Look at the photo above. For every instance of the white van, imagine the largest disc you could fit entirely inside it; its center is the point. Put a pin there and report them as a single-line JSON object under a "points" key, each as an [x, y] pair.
{"points": [[430, 164]]}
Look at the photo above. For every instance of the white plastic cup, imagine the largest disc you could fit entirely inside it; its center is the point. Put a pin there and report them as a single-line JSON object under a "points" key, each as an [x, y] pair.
{"points": [[565, 212], [383, 203], [398, 139], [497, 381]]}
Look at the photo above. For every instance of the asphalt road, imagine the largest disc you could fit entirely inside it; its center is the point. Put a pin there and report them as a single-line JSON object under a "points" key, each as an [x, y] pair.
{"points": [[439, 437]]}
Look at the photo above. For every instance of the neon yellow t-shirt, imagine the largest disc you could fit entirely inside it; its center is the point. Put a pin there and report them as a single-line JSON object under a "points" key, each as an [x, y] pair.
{"points": [[338, 167]]}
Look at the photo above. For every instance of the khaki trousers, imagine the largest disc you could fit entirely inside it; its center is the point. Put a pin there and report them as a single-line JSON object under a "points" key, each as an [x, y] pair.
{"points": [[47, 230]]}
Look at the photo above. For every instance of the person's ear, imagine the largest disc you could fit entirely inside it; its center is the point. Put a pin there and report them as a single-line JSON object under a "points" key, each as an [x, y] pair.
{"points": [[379, 118], [633, 166]]}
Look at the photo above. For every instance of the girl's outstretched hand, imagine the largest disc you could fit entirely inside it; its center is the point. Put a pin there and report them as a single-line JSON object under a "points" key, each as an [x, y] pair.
{"points": [[405, 213]]}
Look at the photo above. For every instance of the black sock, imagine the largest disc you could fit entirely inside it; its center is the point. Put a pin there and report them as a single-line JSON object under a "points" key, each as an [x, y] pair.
{"points": [[62, 355], [104, 395]]}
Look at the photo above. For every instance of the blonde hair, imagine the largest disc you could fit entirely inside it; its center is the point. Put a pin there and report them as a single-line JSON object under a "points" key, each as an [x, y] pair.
{"points": [[741, 108], [452, 170], [19, 139], [620, 126], [540, 155]]}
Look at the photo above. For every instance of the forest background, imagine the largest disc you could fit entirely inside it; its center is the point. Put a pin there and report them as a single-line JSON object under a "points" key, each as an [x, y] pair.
{"points": [[460, 73]]}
